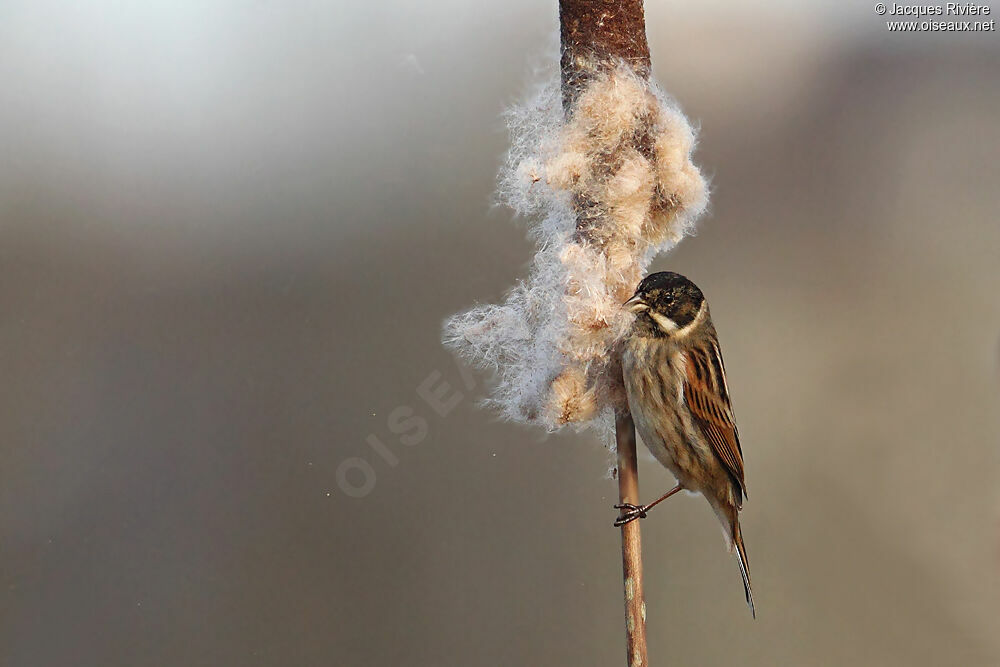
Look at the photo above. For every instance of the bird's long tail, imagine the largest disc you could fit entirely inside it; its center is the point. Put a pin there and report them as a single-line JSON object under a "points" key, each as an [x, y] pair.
{"points": [[744, 565]]}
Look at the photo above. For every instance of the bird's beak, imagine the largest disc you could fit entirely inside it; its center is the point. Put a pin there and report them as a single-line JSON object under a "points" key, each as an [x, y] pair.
{"points": [[636, 304]]}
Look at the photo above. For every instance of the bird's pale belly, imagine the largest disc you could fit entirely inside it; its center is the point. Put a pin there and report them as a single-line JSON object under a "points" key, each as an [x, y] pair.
{"points": [[660, 419]]}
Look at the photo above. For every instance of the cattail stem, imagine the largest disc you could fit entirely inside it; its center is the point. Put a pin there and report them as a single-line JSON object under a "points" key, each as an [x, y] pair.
{"points": [[597, 35], [628, 492]]}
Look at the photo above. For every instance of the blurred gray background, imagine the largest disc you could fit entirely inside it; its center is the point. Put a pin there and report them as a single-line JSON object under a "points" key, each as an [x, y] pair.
{"points": [[229, 233]]}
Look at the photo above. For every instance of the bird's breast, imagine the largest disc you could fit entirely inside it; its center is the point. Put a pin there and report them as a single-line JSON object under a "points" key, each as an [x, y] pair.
{"points": [[653, 376]]}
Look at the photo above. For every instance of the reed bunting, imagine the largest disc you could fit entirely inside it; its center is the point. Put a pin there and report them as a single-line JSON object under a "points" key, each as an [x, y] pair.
{"points": [[677, 392]]}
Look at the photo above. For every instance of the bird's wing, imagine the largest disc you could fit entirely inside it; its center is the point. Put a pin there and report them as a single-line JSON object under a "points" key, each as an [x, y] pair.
{"points": [[707, 398]]}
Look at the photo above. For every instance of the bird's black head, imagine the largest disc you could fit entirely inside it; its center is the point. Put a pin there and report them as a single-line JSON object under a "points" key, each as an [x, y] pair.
{"points": [[665, 303]]}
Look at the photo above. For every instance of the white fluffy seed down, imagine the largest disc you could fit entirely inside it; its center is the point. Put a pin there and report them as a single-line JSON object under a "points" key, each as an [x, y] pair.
{"points": [[610, 187]]}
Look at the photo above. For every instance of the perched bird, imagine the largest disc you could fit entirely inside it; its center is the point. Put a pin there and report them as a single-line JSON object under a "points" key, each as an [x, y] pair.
{"points": [[677, 392]]}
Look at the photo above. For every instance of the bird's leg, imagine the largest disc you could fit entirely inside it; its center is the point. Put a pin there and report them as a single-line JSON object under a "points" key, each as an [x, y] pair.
{"points": [[632, 512]]}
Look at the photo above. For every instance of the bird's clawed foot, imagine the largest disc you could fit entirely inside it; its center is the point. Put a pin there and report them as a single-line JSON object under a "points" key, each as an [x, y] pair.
{"points": [[629, 513]]}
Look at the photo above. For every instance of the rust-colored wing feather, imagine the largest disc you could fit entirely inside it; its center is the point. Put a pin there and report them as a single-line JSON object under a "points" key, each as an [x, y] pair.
{"points": [[707, 398]]}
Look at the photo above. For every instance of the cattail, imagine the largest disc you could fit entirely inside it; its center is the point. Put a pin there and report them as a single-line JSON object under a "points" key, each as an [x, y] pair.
{"points": [[608, 185]]}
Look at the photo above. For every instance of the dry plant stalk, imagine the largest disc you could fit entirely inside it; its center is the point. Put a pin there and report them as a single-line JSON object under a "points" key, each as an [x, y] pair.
{"points": [[601, 160]]}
